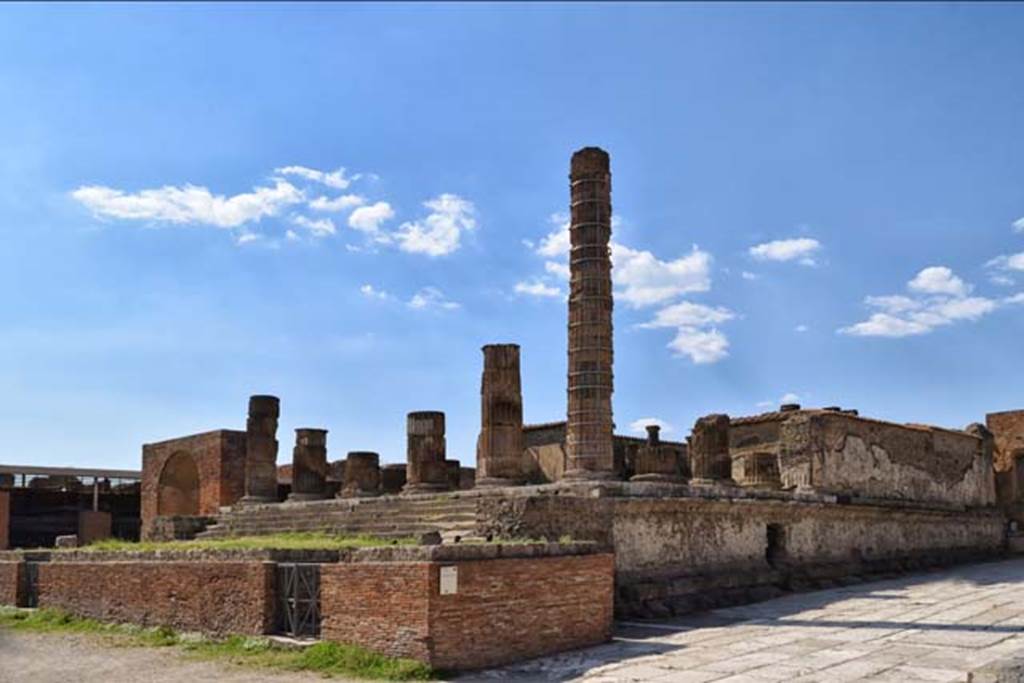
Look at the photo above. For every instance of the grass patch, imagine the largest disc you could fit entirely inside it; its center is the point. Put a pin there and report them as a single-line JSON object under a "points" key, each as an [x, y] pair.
{"points": [[326, 659], [282, 541]]}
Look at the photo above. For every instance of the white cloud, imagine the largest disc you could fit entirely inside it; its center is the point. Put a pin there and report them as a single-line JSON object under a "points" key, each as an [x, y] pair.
{"points": [[938, 280], [368, 219], [801, 328], [440, 232], [640, 426], [1013, 262], [798, 248], [1018, 225], [340, 203], [291, 236], [701, 346], [189, 204], [558, 269], [556, 243], [431, 298], [538, 288], [247, 238], [1001, 280], [789, 397], [370, 292], [643, 280], [320, 227], [943, 299], [688, 314], [1015, 299], [335, 179], [747, 275]]}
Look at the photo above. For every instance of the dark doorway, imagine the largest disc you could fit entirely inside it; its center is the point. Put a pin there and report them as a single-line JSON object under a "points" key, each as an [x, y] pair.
{"points": [[775, 549]]}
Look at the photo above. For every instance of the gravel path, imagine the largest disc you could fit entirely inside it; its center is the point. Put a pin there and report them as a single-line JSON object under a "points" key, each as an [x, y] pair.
{"points": [[50, 658]]}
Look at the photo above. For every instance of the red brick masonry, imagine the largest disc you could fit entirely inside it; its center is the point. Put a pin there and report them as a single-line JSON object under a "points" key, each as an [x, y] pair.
{"points": [[10, 574], [504, 610], [214, 597]]}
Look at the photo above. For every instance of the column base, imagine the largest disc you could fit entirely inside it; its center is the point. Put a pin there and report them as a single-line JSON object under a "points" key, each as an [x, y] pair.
{"points": [[588, 475], [410, 489], [256, 500]]}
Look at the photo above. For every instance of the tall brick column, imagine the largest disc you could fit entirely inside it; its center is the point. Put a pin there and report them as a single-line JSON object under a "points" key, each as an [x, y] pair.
{"points": [[588, 440], [426, 470], [362, 475], [499, 449], [261, 450], [709, 450], [309, 465]]}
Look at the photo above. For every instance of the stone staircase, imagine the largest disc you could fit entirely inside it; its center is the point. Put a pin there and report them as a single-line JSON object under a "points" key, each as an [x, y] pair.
{"points": [[384, 517]]}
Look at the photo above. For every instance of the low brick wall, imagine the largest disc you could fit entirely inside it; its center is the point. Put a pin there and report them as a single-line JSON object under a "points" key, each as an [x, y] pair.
{"points": [[213, 597], [504, 609], [10, 583]]}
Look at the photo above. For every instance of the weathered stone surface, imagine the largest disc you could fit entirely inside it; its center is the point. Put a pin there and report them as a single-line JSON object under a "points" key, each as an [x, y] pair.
{"points": [[392, 478], [5, 519], [1008, 442], [588, 441], [69, 541], [309, 465], [362, 475], [93, 525], [261, 449], [499, 454], [426, 469], [709, 450]]}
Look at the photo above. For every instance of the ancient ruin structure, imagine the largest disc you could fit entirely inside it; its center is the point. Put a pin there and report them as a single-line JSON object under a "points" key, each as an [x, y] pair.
{"points": [[261, 450], [709, 450], [656, 461], [588, 442], [1007, 430], [392, 478], [426, 470], [362, 475], [309, 465], [499, 450]]}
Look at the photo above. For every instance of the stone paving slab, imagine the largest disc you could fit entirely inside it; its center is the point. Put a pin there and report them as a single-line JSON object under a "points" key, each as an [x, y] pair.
{"points": [[929, 627]]}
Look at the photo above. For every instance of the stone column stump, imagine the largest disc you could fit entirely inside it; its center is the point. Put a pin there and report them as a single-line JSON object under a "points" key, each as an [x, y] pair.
{"points": [[426, 470], [362, 475], [261, 450], [710, 461], [309, 465]]}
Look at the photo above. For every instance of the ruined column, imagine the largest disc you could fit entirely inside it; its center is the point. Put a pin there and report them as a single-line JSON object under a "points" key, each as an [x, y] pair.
{"points": [[261, 450], [499, 450], [656, 461], [362, 475], [309, 465], [453, 474], [709, 450], [392, 478], [425, 470], [588, 440]]}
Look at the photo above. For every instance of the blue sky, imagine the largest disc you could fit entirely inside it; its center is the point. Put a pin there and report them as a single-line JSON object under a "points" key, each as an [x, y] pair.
{"points": [[811, 200]]}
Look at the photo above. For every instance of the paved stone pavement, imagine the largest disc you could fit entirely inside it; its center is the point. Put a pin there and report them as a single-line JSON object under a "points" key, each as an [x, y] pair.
{"points": [[927, 627]]}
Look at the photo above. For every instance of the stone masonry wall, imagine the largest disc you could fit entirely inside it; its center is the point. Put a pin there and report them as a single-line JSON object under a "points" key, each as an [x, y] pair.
{"points": [[504, 610], [213, 597], [685, 546]]}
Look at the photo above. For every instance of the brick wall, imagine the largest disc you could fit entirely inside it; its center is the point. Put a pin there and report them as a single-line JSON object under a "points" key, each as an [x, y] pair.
{"points": [[214, 597], [5, 519], [504, 609], [219, 457], [10, 577]]}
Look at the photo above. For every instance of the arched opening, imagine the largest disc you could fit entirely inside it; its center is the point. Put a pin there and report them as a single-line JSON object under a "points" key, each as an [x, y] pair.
{"points": [[178, 492]]}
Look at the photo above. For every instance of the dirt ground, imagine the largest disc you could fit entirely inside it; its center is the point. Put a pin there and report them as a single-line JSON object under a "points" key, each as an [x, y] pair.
{"points": [[51, 658]]}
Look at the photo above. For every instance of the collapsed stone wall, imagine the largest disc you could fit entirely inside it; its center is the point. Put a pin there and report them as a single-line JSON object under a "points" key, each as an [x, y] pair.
{"points": [[213, 597], [842, 453]]}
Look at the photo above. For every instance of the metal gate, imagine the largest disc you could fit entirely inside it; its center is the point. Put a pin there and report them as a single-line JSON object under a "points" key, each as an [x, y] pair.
{"points": [[31, 584], [298, 599]]}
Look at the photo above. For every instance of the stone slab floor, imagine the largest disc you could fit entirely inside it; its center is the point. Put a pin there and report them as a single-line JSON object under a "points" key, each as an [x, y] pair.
{"points": [[926, 627]]}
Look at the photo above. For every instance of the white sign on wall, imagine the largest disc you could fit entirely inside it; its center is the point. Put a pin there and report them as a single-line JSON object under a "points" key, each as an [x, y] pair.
{"points": [[449, 580]]}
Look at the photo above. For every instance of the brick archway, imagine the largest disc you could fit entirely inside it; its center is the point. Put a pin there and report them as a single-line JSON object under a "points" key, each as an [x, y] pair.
{"points": [[178, 488]]}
